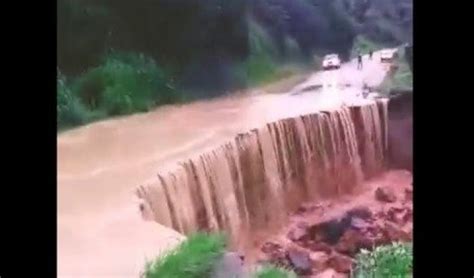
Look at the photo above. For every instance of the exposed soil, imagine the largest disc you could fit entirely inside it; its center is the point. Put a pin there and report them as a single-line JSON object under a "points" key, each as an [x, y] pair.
{"points": [[322, 238]]}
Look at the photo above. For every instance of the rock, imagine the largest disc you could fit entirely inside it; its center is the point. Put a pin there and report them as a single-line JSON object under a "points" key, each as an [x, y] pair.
{"points": [[275, 253], [271, 247], [298, 233], [340, 263], [362, 212], [330, 231], [352, 241], [407, 216], [319, 260], [319, 247], [231, 265], [358, 224], [385, 194], [308, 208], [381, 215], [408, 229], [409, 194], [302, 225], [318, 256], [396, 215], [394, 233], [300, 261], [330, 273]]}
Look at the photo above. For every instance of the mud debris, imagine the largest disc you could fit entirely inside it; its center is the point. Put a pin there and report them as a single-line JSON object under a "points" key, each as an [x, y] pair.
{"points": [[340, 263], [385, 194], [330, 246]]}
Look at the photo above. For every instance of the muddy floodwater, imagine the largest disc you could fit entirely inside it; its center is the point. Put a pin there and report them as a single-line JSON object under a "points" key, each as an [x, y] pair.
{"points": [[100, 166]]}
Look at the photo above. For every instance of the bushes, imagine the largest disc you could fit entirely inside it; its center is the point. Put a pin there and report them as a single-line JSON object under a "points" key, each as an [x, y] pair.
{"points": [[194, 258], [124, 83], [70, 111], [393, 260]]}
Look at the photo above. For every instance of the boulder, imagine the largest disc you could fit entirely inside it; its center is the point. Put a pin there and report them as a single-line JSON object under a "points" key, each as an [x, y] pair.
{"points": [[298, 233], [330, 231], [394, 233], [340, 263], [361, 212], [275, 253], [385, 194], [231, 265], [319, 247], [359, 224], [352, 241], [300, 261], [396, 215]]}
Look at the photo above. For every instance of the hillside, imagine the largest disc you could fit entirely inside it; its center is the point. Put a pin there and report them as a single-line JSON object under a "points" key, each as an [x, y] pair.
{"points": [[116, 58]]}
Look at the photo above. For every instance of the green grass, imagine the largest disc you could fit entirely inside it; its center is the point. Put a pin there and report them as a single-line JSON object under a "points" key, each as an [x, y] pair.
{"points": [[270, 271], [194, 258], [393, 261]]}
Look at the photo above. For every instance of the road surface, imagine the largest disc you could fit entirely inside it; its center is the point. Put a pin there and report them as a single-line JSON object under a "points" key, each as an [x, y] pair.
{"points": [[100, 232]]}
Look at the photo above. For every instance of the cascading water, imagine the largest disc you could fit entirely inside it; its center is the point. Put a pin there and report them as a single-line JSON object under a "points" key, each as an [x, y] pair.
{"points": [[251, 183]]}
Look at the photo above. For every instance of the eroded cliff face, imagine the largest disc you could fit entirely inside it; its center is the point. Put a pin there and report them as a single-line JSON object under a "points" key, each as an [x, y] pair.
{"points": [[251, 183], [400, 133]]}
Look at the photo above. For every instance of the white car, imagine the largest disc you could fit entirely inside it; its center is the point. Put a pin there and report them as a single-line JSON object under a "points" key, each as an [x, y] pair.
{"points": [[331, 61], [387, 55]]}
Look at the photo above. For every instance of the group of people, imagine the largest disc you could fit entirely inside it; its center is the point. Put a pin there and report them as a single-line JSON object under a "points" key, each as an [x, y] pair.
{"points": [[359, 59]]}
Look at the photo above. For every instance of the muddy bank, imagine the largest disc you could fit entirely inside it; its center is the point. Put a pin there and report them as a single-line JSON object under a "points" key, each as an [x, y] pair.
{"points": [[400, 130]]}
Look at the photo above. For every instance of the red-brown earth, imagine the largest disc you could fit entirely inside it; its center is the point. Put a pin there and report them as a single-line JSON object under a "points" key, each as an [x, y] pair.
{"points": [[323, 238]]}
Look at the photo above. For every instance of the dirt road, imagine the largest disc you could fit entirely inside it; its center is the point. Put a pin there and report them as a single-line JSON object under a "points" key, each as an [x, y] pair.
{"points": [[100, 232]]}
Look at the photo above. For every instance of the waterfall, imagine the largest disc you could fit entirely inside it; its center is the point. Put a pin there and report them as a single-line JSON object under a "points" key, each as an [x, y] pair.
{"points": [[254, 181]]}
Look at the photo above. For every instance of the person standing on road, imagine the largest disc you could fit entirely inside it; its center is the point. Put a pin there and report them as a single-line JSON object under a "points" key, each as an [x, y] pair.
{"points": [[370, 54], [359, 61]]}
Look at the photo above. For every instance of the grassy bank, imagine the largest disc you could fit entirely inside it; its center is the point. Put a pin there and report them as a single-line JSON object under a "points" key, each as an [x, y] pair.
{"points": [[198, 255], [194, 258]]}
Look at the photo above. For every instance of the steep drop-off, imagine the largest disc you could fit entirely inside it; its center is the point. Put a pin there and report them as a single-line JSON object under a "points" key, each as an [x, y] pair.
{"points": [[400, 134], [250, 184]]}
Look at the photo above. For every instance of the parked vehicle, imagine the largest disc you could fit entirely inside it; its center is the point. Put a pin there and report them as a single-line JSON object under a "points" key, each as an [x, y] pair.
{"points": [[387, 56], [331, 62]]}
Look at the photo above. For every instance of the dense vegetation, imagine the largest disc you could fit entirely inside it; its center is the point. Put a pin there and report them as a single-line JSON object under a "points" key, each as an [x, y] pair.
{"points": [[118, 57], [393, 260]]}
